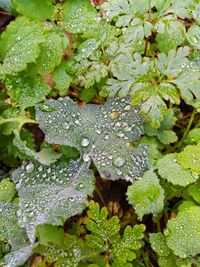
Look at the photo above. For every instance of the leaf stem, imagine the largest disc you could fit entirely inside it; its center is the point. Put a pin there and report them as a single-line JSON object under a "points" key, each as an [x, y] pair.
{"points": [[100, 196], [180, 143]]}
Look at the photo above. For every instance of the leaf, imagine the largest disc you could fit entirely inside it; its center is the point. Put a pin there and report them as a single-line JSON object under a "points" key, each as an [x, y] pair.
{"points": [[194, 135], [35, 9], [19, 45], [182, 234], [69, 254], [171, 64], [9, 228], [173, 172], [101, 133], [124, 11], [193, 36], [158, 243], [194, 191], [146, 195], [183, 9], [46, 196], [79, 16], [7, 191], [189, 158], [171, 33], [51, 52], [104, 236], [50, 234], [27, 88], [62, 79]]}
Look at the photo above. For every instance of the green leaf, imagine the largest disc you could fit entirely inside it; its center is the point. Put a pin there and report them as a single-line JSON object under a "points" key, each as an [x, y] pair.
{"points": [[104, 236], [35, 9], [158, 243], [62, 79], [173, 172], [194, 191], [146, 195], [183, 9], [87, 94], [19, 45], [101, 133], [27, 88], [182, 234], [7, 191], [194, 135], [171, 33], [69, 254], [189, 158], [193, 36], [50, 234], [79, 16], [51, 52], [46, 196], [124, 10]]}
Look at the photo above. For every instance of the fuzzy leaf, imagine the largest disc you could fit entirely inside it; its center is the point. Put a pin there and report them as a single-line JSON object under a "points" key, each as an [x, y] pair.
{"points": [[27, 89], [51, 194], [35, 9], [182, 234], [51, 52], [173, 172], [79, 16], [146, 195], [19, 44], [193, 36], [183, 9], [189, 158], [101, 133]]}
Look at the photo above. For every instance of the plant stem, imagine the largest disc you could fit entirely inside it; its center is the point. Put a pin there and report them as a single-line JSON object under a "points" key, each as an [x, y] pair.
{"points": [[100, 196], [180, 143]]}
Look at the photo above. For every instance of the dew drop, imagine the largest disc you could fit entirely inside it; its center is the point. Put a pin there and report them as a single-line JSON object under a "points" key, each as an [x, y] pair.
{"points": [[66, 125], [85, 142], [114, 115], [86, 157], [71, 199], [118, 161], [30, 167], [127, 108], [106, 137]]}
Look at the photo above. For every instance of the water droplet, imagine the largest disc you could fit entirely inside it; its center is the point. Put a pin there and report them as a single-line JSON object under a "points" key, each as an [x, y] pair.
{"points": [[80, 186], [119, 172], [86, 157], [106, 137], [71, 199], [66, 125], [29, 167], [114, 115], [118, 161], [85, 142], [127, 108]]}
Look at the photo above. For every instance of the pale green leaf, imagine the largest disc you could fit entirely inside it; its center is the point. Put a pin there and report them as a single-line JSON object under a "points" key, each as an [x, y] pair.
{"points": [[79, 16], [101, 133], [173, 172], [51, 194], [193, 36], [171, 33], [19, 44], [35, 9], [7, 5], [189, 158], [158, 243], [183, 9], [182, 234], [146, 195], [194, 191]]}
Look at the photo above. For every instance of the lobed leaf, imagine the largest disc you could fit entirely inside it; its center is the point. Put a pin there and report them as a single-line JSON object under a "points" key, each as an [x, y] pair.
{"points": [[51, 194], [146, 195], [101, 133]]}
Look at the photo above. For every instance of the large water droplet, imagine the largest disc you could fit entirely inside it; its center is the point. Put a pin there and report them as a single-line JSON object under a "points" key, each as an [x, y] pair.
{"points": [[106, 137], [118, 161], [29, 167], [66, 125], [86, 157], [114, 115], [85, 142]]}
